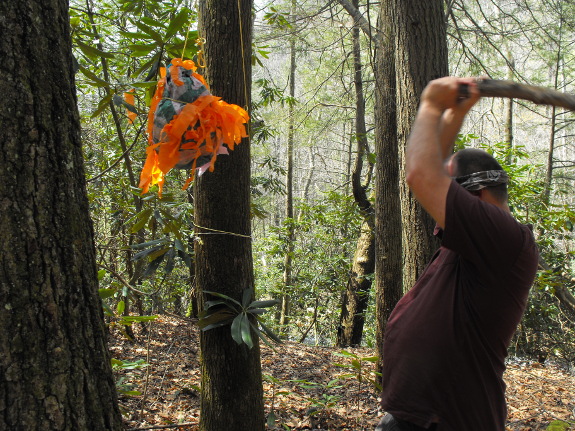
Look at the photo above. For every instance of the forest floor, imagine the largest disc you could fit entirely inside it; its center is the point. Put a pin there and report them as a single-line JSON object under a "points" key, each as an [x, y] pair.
{"points": [[303, 386]]}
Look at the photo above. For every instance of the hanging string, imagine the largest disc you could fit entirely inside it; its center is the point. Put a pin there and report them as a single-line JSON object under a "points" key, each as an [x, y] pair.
{"points": [[200, 41], [217, 231], [190, 26], [186, 40], [201, 61]]}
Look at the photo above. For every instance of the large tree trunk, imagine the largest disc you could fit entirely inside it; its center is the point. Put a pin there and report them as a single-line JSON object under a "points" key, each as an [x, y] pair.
{"points": [[420, 56], [356, 297], [55, 370], [388, 230], [232, 393]]}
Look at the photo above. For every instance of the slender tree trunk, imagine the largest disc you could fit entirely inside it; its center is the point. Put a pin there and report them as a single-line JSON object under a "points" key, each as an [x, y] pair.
{"points": [[55, 371], [139, 236], [420, 56], [356, 297], [553, 132], [117, 123], [388, 230], [289, 214], [546, 198], [548, 184], [349, 162], [311, 170], [232, 394], [509, 122]]}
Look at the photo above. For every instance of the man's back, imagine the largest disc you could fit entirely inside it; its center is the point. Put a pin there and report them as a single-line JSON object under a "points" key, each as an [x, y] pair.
{"points": [[447, 338]]}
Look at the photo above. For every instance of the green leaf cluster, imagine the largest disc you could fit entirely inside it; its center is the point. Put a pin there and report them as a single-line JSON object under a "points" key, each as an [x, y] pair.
{"points": [[169, 219], [559, 426], [122, 385], [356, 365], [118, 49], [243, 317]]}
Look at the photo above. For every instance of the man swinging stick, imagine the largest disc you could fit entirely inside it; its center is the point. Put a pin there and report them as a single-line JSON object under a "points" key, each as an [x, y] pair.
{"points": [[447, 338]]}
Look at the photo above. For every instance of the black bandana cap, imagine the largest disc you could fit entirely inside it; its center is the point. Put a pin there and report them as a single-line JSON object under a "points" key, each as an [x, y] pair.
{"points": [[480, 180]]}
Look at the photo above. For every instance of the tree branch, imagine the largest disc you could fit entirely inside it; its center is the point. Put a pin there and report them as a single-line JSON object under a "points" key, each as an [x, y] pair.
{"points": [[535, 94], [365, 26], [122, 280], [163, 427]]}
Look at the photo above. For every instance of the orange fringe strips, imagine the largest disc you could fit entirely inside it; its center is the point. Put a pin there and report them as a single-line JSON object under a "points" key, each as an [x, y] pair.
{"points": [[202, 128]]}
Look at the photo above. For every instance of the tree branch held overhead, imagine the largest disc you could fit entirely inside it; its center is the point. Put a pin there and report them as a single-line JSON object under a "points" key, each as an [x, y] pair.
{"points": [[535, 94], [365, 26]]}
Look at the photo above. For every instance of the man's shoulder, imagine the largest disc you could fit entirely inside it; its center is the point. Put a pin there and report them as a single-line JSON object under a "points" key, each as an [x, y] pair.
{"points": [[481, 230]]}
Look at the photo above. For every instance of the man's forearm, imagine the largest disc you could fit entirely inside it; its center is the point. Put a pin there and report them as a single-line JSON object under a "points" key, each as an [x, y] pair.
{"points": [[449, 126], [424, 149]]}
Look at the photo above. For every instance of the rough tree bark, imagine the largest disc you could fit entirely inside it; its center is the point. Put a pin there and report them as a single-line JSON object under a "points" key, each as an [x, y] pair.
{"points": [[356, 297], [420, 56], [232, 393], [55, 371], [388, 231]]}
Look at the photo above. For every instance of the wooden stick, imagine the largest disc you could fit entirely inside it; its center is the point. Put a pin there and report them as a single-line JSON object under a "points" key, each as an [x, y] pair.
{"points": [[513, 90], [163, 427]]}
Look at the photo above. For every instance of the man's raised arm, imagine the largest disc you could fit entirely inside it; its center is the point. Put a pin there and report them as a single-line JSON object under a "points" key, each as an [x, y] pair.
{"points": [[441, 112]]}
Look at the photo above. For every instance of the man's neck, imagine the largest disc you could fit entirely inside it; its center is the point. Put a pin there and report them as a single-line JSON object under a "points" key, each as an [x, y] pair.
{"points": [[486, 196]]}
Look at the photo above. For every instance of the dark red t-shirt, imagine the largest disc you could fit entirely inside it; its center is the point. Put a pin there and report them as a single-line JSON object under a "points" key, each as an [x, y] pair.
{"points": [[447, 338]]}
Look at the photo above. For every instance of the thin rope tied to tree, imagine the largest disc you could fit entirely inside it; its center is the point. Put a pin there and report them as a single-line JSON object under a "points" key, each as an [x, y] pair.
{"points": [[188, 127], [514, 90]]}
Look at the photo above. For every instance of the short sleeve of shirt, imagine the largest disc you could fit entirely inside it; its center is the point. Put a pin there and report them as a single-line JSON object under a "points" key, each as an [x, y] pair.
{"points": [[481, 232]]}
